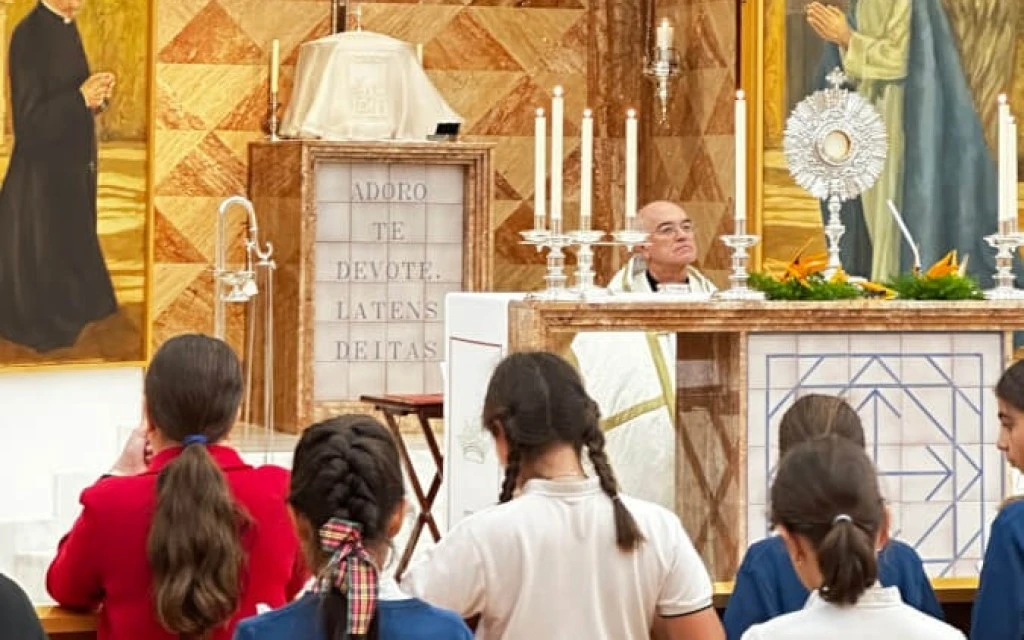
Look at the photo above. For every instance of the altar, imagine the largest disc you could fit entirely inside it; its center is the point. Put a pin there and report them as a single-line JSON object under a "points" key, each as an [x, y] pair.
{"points": [[919, 374]]}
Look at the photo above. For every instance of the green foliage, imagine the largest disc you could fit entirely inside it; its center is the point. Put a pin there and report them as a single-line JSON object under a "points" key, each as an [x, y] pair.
{"points": [[949, 287], [814, 287]]}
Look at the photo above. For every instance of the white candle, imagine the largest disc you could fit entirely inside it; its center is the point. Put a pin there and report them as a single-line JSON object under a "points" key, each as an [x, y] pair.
{"points": [[586, 167], [540, 133], [741, 162], [630, 166], [556, 155], [275, 60], [665, 32], [1001, 156], [1012, 178]]}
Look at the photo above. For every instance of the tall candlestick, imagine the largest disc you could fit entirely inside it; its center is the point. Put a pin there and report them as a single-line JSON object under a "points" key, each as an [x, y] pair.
{"points": [[556, 155], [275, 60], [665, 31], [741, 163], [540, 134], [586, 167], [630, 167], [419, 53]]}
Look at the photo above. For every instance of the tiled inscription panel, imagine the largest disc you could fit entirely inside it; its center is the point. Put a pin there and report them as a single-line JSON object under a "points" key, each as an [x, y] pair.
{"points": [[388, 250]]}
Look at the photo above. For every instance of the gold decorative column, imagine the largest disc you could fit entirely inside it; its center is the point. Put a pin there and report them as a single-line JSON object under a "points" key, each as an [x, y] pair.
{"points": [[4, 4]]}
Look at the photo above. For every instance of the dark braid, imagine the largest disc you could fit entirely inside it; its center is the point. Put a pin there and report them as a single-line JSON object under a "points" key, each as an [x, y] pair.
{"points": [[508, 486], [346, 467], [627, 532], [537, 400]]}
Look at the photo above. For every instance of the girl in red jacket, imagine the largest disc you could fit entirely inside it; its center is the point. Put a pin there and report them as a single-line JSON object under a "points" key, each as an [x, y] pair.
{"points": [[189, 544]]}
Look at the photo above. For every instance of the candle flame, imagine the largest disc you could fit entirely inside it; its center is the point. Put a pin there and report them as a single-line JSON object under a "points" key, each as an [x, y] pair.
{"points": [[540, 112], [587, 113], [631, 113], [740, 95], [558, 91]]}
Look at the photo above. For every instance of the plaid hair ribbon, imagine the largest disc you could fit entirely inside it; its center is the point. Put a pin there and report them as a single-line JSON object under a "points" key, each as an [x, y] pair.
{"points": [[351, 570]]}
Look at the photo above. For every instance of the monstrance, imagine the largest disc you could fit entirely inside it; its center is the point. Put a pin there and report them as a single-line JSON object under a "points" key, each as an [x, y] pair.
{"points": [[835, 145]]}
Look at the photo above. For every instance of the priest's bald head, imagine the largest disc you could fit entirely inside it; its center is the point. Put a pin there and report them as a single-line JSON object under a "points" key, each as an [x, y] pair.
{"points": [[672, 245]]}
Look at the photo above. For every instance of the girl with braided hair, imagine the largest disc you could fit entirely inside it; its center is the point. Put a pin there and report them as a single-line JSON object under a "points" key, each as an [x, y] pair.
{"points": [[564, 555], [348, 502], [827, 507]]}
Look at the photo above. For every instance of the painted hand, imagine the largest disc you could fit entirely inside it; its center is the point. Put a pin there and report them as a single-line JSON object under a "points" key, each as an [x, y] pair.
{"points": [[97, 89], [829, 23]]}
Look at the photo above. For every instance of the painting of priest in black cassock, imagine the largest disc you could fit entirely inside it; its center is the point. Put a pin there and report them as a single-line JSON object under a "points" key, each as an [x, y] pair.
{"points": [[53, 278]]}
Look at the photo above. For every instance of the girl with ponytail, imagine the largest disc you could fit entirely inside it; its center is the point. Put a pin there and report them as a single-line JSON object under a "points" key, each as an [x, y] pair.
{"points": [[348, 502], [182, 546], [827, 507], [563, 554]]}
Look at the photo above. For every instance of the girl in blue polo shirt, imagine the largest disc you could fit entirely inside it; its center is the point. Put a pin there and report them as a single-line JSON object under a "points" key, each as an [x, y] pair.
{"points": [[348, 501], [766, 585], [998, 612]]}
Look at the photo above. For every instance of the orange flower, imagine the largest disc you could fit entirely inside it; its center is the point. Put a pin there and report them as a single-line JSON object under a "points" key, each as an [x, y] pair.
{"points": [[945, 266], [878, 289]]}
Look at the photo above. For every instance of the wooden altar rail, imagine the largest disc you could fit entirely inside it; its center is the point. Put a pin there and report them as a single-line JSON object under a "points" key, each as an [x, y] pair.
{"points": [[61, 624]]}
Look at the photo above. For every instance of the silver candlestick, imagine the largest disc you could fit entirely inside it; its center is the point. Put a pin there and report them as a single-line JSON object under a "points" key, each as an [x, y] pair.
{"points": [[740, 242], [1006, 244], [272, 124], [661, 69], [585, 239], [555, 242]]}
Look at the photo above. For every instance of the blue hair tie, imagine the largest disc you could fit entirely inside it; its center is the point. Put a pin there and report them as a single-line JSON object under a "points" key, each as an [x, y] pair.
{"points": [[195, 438]]}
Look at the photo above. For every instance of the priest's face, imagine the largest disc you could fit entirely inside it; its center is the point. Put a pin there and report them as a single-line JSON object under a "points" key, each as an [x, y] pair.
{"points": [[69, 8], [1011, 434], [672, 240]]}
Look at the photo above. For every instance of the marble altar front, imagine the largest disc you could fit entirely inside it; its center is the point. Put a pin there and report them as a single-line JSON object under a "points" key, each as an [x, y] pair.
{"points": [[919, 374]]}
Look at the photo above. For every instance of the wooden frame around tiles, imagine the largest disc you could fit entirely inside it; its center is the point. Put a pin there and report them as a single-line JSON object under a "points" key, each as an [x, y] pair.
{"points": [[281, 186]]}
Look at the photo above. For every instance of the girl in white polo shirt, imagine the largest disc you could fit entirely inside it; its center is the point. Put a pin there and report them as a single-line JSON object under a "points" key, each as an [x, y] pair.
{"points": [[563, 555], [829, 512]]}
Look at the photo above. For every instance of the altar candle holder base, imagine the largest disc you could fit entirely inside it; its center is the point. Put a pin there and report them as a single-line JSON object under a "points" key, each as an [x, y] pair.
{"points": [[629, 238], [834, 230], [1005, 244], [740, 243], [555, 278], [585, 239], [272, 124]]}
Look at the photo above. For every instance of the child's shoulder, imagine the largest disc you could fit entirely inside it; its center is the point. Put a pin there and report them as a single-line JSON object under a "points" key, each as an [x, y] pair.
{"points": [[299, 619], [413, 619]]}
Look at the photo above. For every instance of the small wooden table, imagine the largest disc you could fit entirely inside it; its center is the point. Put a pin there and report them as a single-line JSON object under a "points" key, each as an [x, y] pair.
{"points": [[424, 407]]}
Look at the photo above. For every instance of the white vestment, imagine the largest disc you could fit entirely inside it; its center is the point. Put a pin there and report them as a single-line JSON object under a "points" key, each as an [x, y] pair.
{"points": [[632, 377]]}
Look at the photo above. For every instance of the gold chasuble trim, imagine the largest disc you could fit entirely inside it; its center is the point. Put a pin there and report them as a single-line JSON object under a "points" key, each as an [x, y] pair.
{"points": [[667, 390]]}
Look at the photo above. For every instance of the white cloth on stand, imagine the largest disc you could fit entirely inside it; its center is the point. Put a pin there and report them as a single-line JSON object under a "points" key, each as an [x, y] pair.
{"points": [[359, 85]]}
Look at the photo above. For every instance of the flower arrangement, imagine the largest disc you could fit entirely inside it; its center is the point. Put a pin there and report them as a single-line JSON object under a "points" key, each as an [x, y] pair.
{"points": [[804, 279]]}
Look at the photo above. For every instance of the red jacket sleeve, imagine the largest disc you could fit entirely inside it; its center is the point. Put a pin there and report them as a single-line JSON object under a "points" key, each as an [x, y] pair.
{"points": [[74, 579]]}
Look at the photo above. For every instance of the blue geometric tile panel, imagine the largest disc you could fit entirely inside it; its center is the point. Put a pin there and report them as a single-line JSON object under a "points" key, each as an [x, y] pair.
{"points": [[930, 423]]}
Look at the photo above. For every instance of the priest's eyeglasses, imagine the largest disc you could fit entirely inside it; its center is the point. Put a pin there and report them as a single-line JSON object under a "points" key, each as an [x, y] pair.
{"points": [[672, 229]]}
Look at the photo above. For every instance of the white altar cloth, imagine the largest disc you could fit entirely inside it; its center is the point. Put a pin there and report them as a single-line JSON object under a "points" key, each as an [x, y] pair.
{"points": [[359, 85]]}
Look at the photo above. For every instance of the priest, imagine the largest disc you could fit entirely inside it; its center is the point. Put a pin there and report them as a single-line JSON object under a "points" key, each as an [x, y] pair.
{"points": [[631, 375], [53, 278]]}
